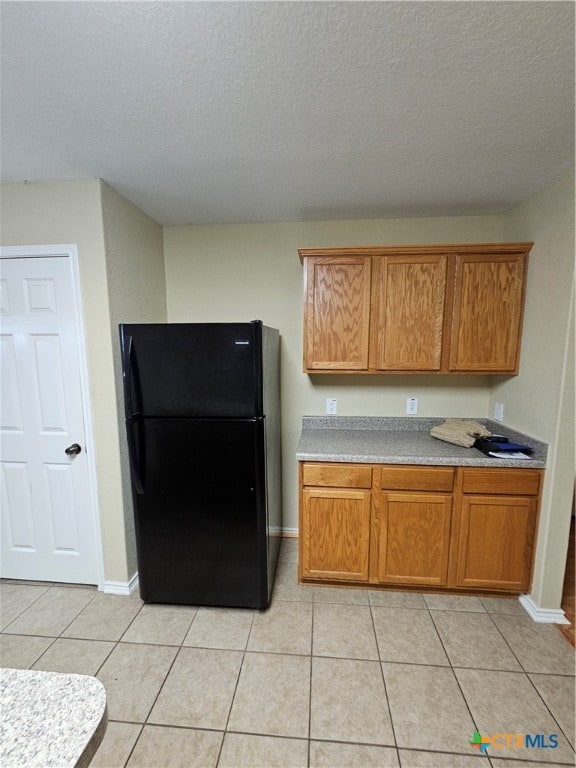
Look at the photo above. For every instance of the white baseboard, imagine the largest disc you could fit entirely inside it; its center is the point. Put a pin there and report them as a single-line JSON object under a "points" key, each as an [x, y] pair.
{"points": [[542, 615], [126, 588], [290, 532]]}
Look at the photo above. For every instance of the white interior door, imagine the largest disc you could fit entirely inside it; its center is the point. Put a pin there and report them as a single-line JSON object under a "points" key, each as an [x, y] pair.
{"points": [[47, 520]]}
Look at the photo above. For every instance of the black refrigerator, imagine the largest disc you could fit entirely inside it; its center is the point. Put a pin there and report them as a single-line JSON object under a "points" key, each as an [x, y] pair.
{"points": [[203, 429]]}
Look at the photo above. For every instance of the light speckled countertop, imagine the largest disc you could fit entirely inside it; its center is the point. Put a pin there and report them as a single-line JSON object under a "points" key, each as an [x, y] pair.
{"points": [[388, 440], [50, 719]]}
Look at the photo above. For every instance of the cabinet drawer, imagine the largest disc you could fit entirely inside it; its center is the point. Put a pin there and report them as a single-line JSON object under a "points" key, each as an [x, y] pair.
{"points": [[523, 482], [337, 475], [417, 478]]}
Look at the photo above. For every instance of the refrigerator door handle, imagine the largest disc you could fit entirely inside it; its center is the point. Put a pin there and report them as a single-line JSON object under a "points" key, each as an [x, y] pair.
{"points": [[130, 372], [127, 371], [134, 460]]}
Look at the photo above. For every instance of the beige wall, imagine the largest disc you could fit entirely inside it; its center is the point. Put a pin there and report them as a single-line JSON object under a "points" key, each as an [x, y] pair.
{"points": [[136, 294], [541, 400], [71, 212], [112, 238], [225, 273], [247, 272]]}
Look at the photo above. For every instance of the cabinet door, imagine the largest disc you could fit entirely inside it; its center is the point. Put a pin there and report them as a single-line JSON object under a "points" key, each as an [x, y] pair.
{"points": [[409, 296], [414, 538], [337, 312], [495, 542], [487, 315], [335, 533]]}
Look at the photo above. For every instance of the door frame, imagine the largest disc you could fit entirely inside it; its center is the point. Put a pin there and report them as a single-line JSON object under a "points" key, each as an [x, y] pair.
{"points": [[70, 251]]}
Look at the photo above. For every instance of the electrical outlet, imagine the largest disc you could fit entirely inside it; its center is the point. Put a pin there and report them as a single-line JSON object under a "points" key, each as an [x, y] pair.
{"points": [[499, 411], [411, 406], [331, 405]]}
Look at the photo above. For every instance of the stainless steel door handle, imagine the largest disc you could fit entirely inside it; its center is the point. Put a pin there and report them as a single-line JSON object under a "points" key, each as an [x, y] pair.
{"points": [[73, 449]]}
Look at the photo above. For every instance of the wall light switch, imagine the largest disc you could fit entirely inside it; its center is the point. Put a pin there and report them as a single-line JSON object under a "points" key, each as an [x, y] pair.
{"points": [[411, 406], [331, 406]]}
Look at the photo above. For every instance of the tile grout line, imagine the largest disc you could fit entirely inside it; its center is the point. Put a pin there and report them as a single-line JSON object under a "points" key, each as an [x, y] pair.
{"points": [[493, 620], [521, 671], [380, 664], [226, 724], [454, 675], [24, 609], [310, 683], [527, 674], [179, 647], [568, 742], [4, 631]]}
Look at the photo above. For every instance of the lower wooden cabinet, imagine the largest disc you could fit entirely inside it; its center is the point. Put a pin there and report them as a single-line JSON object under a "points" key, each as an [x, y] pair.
{"points": [[495, 543], [335, 522], [414, 538], [336, 533], [436, 527]]}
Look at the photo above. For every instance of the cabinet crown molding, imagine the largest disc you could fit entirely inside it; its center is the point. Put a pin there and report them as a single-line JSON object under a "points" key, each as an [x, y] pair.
{"points": [[422, 250]]}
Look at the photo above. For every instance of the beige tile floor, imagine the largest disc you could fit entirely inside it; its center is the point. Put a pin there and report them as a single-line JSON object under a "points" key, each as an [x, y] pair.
{"points": [[326, 678]]}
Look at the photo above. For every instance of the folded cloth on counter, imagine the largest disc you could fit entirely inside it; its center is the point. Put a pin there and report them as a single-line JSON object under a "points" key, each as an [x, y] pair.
{"points": [[459, 432]]}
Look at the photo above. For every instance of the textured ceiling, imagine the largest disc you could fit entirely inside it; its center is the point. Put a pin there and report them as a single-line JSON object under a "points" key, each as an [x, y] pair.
{"points": [[202, 112]]}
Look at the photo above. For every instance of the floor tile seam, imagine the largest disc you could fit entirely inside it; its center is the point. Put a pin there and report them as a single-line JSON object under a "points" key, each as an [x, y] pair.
{"points": [[553, 674], [43, 652], [345, 658], [274, 653], [7, 628], [192, 620], [284, 600], [514, 672], [459, 610], [384, 684], [28, 606], [353, 658], [46, 584], [454, 675], [450, 752], [148, 642], [27, 634], [438, 635], [77, 615], [115, 645], [233, 732], [235, 690], [516, 656], [146, 719], [400, 607], [307, 738], [47, 649], [522, 665], [460, 666], [554, 718], [356, 743], [136, 740], [514, 761], [132, 620], [465, 752], [310, 684]]}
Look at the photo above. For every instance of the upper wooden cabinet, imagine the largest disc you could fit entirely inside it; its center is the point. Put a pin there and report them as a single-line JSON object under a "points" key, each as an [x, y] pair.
{"points": [[420, 309], [409, 295], [337, 297], [487, 312]]}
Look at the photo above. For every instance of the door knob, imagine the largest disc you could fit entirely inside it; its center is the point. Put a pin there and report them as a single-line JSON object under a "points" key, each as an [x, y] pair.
{"points": [[73, 449]]}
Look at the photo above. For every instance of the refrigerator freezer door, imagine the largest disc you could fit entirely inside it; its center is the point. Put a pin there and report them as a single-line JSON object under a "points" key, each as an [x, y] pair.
{"points": [[201, 517], [192, 370]]}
